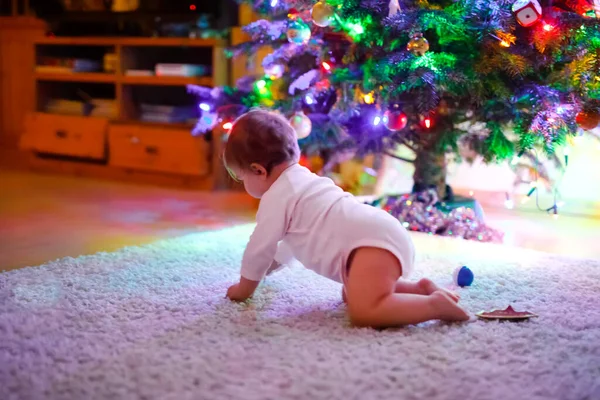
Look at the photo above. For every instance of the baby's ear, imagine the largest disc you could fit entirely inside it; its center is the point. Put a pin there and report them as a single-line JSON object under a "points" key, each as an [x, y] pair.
{"points": [[258, 169]]}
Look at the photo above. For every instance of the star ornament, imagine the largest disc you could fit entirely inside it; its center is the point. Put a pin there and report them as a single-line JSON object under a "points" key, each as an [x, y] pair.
{"points": [[509, 314]]}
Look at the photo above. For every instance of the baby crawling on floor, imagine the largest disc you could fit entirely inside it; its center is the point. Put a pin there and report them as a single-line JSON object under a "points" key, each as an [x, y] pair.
{"points": [[307, 217]]}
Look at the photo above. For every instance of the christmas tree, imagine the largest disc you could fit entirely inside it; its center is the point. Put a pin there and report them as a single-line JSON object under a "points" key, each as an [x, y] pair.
{"points": [[497, 79]]}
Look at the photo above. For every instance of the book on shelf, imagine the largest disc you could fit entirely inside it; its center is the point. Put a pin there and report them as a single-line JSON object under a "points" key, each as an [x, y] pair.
{"points": [[139, 72], [189, 70]]}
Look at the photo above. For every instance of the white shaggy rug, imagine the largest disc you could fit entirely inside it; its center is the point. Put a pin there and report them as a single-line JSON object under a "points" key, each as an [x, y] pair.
{"points": [[152, 323]]}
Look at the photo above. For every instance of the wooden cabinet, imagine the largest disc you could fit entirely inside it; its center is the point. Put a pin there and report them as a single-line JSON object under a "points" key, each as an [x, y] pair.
{"points": [[125, 121]]}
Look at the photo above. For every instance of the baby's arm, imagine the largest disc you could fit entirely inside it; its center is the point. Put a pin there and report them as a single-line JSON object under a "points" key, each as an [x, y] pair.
{"points": [[271, 224]]}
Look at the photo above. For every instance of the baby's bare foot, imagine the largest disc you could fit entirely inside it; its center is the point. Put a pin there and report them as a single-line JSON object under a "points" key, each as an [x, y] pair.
{"points": [[447, 308], [429, 287]]}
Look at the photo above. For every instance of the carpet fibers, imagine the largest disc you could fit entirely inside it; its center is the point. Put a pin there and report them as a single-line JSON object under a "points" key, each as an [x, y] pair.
{"points": [[152, 323]]}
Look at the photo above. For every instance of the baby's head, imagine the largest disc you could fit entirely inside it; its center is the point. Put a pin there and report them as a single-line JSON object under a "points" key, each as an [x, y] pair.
{"points": [[261, 145]]}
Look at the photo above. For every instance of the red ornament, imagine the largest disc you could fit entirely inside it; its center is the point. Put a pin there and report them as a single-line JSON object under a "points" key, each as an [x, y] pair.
{"points": [[395, 120], [508, 313], [527, 12], [323, 84], [587, 120]]}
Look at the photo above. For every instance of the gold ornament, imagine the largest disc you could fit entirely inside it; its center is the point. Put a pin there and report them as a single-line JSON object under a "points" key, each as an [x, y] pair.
{"points": [[418, 45], [322, 14], [301, 124]]}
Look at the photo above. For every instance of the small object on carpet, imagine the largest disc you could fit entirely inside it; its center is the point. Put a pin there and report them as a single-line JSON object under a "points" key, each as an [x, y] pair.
{"points": [[508, 313], [463, 276]]}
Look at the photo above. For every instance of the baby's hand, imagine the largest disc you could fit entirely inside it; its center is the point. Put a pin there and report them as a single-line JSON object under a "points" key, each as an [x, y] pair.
{"points": [[243, 290], [236, 294]]}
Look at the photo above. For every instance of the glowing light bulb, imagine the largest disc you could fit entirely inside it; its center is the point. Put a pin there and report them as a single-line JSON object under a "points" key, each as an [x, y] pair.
{"points": [[357, 29], [504, 43], [204, 107], [368, 98], [548, 27], [560, 109], [227, 126], [427, 122], [326, 66], [274, 3], [376, 120], [192, 7], [308, 99], [261, 84]]}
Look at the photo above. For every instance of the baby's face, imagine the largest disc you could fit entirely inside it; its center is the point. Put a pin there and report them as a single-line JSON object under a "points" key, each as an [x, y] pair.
{"points": [[255, 181]]}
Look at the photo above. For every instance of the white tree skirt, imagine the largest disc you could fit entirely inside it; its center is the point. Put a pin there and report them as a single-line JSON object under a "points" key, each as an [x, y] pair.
{"points": [[152, 322]]}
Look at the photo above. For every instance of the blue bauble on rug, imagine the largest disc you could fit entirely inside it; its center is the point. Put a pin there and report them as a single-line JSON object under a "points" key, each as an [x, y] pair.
{"points": [[463, 276]]}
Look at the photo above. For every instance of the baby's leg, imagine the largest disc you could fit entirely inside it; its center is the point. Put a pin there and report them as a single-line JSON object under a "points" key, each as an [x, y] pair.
{"points": [[372, 279], [424, 286]]}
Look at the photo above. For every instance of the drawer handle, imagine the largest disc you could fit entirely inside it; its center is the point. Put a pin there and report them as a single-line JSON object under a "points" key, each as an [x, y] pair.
{"points": [[61, 134], [152, 150]]}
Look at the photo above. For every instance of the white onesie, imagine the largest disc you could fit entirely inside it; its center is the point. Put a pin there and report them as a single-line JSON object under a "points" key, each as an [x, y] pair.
{"points": [[308, 217]]}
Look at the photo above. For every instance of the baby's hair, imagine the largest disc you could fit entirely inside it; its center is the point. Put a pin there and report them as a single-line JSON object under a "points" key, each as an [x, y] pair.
{"points": [[262, 137]]}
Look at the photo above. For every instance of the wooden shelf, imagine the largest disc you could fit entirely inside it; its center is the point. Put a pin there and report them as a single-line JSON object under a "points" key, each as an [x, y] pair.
{"points": [[130, 41], [76, 77], [128, 80], [162, 154], [167, 80]]}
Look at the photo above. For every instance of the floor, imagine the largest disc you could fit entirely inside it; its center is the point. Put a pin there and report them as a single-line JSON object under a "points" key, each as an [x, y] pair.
{"points": [[44, 217]]}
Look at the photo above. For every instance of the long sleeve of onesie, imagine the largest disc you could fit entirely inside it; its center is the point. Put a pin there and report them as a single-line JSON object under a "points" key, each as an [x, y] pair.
{"points": [[271, 225]]}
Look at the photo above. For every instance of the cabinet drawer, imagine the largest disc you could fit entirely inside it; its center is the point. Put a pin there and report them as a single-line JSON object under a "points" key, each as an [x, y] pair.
{"points": [[74, 136], [157, 149]]}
